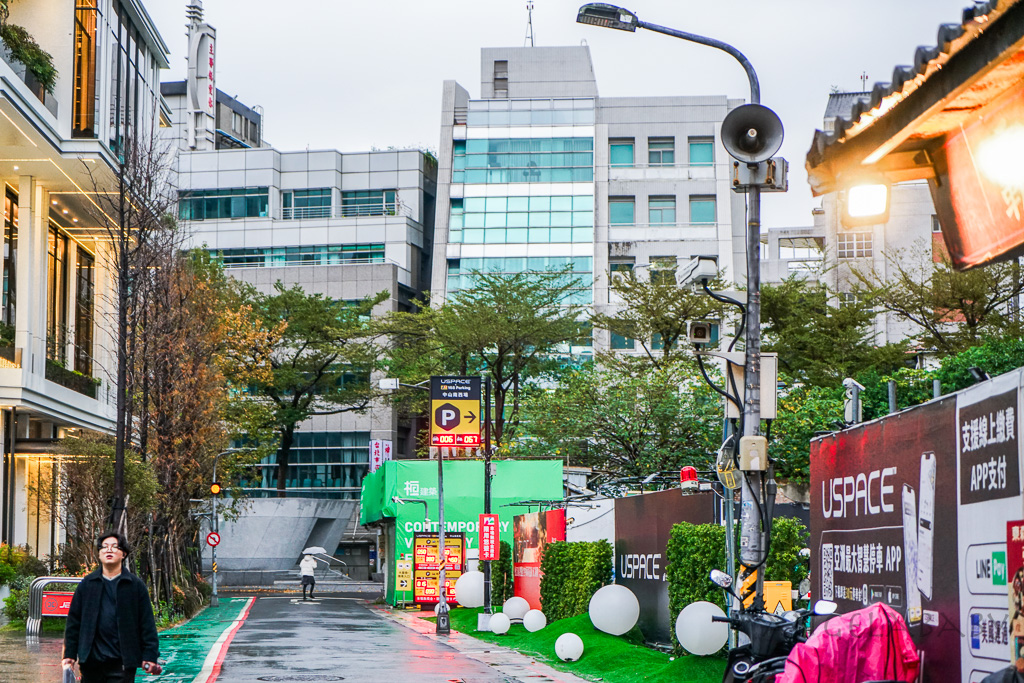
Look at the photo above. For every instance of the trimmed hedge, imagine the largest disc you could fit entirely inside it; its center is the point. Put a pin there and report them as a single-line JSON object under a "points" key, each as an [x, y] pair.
{"points": [[572, 573], [501, 575], [695, 549]]}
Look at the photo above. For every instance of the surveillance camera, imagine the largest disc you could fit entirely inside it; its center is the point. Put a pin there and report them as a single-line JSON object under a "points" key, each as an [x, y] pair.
{"points": [[851, 383], [700, 332], [700, 269]]}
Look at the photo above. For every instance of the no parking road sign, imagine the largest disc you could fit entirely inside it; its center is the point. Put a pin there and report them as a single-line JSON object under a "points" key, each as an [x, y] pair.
{"points": [[454, 411], [212, 539]]}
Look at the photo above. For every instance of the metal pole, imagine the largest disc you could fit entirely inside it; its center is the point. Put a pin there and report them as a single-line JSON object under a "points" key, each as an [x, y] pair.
{"points": [[936, 388], [855, 399], [892, 396], [487, 485], [214, 600], [443, 623], [750, 493], [728, 501]]}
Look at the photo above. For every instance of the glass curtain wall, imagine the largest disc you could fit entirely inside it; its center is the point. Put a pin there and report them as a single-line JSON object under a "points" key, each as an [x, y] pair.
{"points": [[83, 104], [84, 294], [10, 297], [56, 295]]}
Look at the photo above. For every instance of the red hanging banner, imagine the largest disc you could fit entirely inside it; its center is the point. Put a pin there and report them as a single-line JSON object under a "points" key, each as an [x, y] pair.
{"points": [[489, 546]]}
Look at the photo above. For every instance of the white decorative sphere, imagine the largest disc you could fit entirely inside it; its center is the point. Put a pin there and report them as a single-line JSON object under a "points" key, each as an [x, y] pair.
{"points": [[697, 633], [614, 609], [516, 607], [569, 647], [499, 623], [534, 620], [469, 589]]}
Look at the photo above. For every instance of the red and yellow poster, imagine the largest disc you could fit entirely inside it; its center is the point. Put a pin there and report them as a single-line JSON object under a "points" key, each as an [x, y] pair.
{"points": [[530, 533], [426, 568]]}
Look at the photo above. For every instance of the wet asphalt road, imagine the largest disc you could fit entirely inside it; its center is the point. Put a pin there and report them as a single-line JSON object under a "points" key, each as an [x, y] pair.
{"points": [[337, 638]]}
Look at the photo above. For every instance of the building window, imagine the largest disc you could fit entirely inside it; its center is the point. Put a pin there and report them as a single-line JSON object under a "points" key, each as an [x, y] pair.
{"points": [[702, 151], [313, 255], [936, 227], [854, 245], [539, 219], [702, 210], [661, 210], [325, 464], [663, 270], [806, 248], [661, 151], [306, 203], [620, 343], [500, 78], [56, 295], [620, 152], [525, 160], [621, 211], [84, 294], [848, 299], [369, 203], [236, 202], [460, 272], [83, 105], [10, 260]]}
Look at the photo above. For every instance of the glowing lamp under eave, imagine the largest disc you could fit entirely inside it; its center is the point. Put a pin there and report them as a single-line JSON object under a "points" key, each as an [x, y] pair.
{"points": [[1000, 157], [865, 201]]}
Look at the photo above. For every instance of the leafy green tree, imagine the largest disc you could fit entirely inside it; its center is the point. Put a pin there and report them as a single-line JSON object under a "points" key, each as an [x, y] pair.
{"points": [[817, 342], [320, 364], [995, 356], [511, 327], [627, 424], [655, 312], [803, 411], [955, 310]]}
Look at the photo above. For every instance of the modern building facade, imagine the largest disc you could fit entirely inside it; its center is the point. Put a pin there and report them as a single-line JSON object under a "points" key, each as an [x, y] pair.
{"points": [[59, 154], [541, 172]]}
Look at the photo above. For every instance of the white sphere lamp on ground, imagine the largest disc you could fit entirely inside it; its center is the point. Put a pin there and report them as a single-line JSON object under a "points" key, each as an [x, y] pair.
{"points": [[569, 647], [515, 607], [469, 589], [534, 620], [499, 623], [614, 609], [697, 633]]}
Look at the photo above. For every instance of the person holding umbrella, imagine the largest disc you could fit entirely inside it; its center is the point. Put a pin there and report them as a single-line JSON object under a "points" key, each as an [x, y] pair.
{"points": [[307, 569]]}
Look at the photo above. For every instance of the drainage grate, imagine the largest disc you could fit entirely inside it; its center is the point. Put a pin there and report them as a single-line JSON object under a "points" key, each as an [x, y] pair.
{"points": [[302, 677]]}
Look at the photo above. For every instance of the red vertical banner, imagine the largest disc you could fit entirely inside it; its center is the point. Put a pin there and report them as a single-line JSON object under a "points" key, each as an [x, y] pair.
{"points": [[489, 546], [1015, 584], [531, 533]]}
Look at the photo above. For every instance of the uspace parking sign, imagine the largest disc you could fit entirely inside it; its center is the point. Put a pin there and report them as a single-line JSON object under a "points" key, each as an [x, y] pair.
{"points": [[454, 411]]}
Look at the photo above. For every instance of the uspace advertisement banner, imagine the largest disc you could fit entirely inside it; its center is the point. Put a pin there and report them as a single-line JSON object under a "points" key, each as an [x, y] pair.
{"points": [[531, 533], [642, 527], [884, 525]]}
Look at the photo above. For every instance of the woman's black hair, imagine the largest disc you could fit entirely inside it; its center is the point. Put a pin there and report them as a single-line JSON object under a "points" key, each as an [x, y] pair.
{"points": [[122, 542]]}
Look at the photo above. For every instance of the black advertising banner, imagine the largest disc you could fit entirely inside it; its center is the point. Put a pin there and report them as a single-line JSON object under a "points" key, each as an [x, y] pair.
{"points": [[642, 527], [988, 449], [884, 525]]}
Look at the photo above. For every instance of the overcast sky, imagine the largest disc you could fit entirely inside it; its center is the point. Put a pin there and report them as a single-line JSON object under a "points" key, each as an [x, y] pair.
{"points": [[337, 74]]}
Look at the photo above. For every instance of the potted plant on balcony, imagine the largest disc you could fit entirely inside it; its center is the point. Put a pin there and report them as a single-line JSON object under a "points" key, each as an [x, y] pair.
{"points": [[23, 48]]}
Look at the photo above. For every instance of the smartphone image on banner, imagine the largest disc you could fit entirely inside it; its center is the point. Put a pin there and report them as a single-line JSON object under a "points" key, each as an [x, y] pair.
{"points": [[910, 554], [926, 525]]}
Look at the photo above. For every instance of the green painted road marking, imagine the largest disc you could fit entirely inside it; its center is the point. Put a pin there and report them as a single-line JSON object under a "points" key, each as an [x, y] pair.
{"points": [[186, 646]]}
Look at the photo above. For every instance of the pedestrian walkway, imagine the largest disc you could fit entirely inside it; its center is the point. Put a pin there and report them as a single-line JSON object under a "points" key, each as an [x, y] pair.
{"points": [[511, 664]]}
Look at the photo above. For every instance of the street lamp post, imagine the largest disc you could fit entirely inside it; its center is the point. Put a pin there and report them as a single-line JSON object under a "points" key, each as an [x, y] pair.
{"points": [[215, 524], [751, 144]]}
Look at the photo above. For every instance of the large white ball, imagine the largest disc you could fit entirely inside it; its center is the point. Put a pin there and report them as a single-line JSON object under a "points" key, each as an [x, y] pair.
{"points": [[469, 589], [569, 647], [516, 607], [534, 620], [499, 623], [697, 633], [614, 609]]}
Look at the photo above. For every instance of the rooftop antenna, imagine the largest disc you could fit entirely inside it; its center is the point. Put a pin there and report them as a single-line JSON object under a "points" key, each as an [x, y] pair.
{"points": [[529, 24], [864, 81]]}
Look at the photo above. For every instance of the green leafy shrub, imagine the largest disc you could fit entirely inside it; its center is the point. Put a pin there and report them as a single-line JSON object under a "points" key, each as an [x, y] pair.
{"points": [[695, 549], [572, 573], [24, 48], [501, 575]]}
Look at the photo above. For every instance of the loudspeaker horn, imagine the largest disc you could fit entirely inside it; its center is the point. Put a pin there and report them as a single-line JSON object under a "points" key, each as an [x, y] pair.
{"points": [[752, 133]]}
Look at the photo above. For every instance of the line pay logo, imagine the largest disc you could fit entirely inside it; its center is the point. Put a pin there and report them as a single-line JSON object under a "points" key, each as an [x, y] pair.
{"points": [[999, 568]]}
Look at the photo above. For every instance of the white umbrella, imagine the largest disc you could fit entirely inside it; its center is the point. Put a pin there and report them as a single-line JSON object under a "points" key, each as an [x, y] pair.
{"points": [[314, 549]]}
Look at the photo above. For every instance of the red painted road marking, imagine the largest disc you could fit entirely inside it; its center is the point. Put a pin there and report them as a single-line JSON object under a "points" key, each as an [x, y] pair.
{"points": [[214, 660]]}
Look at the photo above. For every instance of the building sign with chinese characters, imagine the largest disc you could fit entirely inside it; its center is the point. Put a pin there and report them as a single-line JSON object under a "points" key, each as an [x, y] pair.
{"points": [[489, 545], [380, 452], [988, 449]]}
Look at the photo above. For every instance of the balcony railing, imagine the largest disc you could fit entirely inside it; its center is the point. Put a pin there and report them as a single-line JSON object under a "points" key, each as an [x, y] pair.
{"points": [[75, 381], [347, 211], [10, 357], [22, 72]]}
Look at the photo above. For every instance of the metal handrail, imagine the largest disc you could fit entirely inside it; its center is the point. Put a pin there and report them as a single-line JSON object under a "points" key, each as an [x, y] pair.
{"points": [[35, 601], [395, 208]]}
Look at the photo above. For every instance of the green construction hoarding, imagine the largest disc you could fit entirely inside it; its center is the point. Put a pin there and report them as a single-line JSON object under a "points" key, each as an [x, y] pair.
{"points": [[416, 480]]}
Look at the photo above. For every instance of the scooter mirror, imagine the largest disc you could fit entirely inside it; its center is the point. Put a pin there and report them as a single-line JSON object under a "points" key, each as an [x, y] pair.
{"points": [[720, 578], [825, 607]]}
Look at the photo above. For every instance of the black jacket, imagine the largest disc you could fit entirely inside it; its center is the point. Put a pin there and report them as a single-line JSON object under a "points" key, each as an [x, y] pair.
{"points": [[136, 627]]}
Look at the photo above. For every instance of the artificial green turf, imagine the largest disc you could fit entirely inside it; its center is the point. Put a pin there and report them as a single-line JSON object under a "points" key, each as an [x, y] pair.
{"points": [[612, 659]]}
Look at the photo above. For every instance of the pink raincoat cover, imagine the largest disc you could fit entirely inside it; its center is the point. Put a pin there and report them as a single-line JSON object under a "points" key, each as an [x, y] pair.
{"points": [[869, 644]]}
